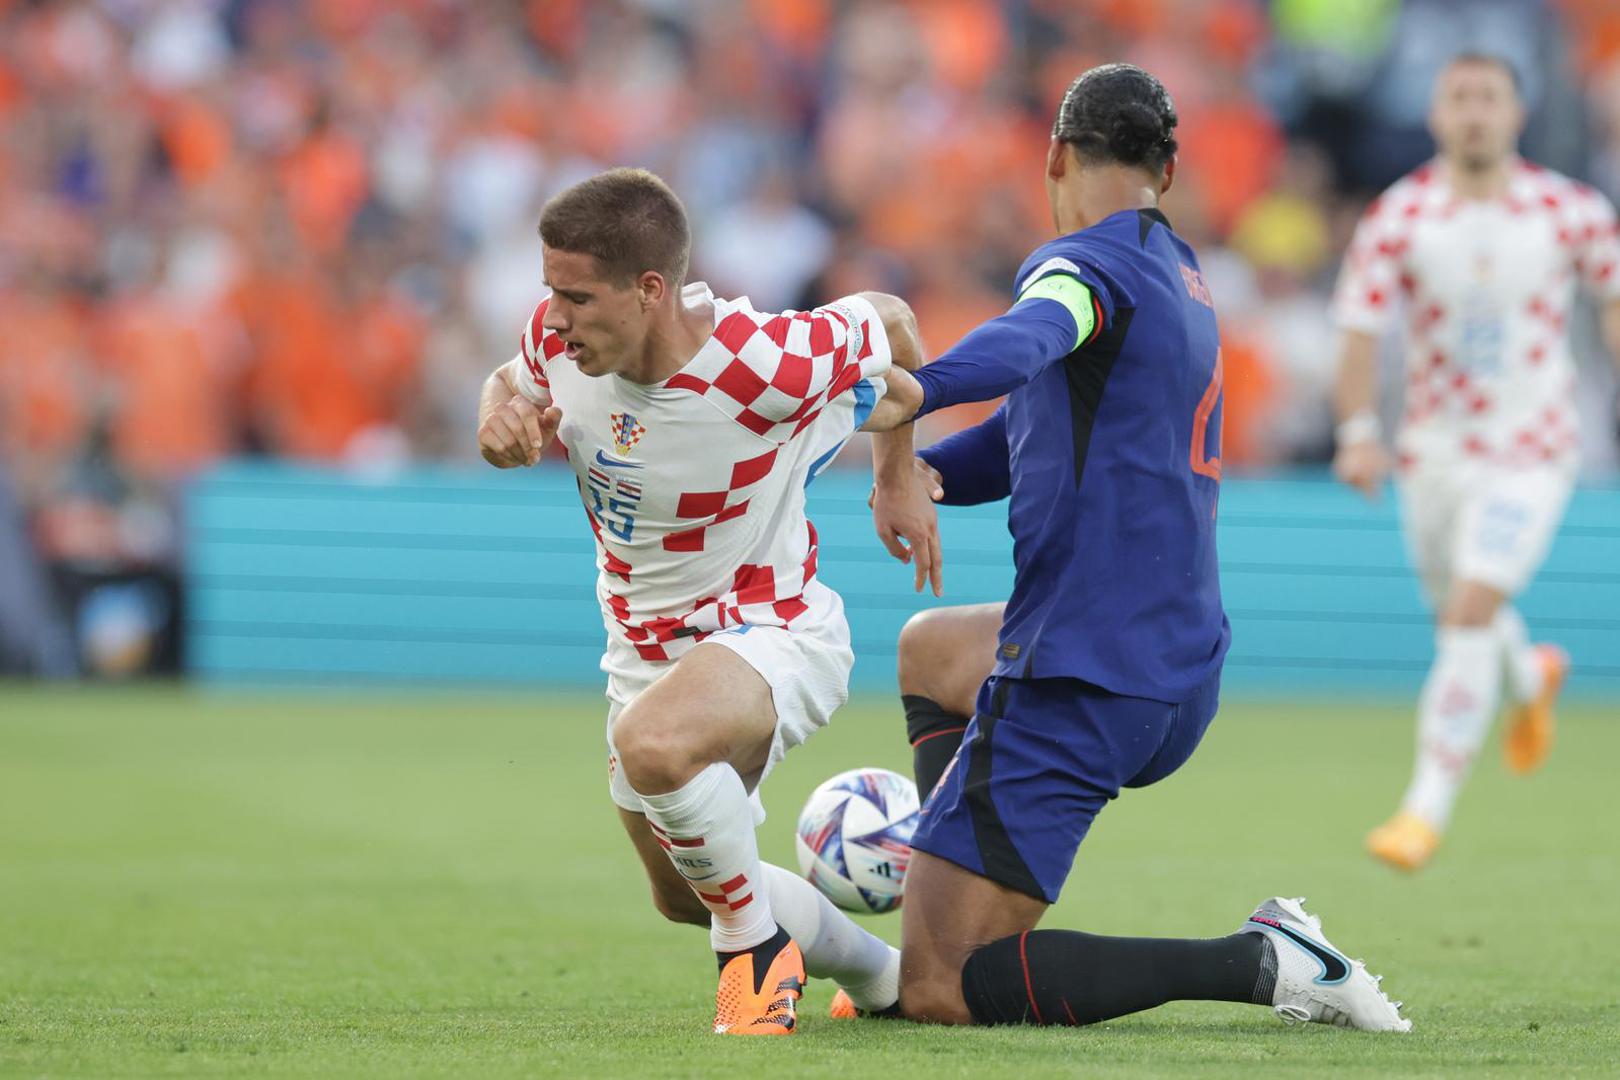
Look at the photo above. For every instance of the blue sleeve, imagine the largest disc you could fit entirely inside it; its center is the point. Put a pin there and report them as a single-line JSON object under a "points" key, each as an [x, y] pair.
{"points": [[999, 356], [973, 462]]}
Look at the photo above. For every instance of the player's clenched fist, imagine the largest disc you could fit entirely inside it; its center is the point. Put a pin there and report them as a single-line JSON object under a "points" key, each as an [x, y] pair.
{"points": [[1363, 465], [517, 432]]}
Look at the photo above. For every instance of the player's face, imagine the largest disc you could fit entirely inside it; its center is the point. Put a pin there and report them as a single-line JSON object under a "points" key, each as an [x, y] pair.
{"points": [[1476, 115], [602, 324]]}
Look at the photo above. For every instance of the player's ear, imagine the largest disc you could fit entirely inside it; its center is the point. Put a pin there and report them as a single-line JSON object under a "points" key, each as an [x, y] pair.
{"points": [[1057, 159], [1169, 180], [651, 287]]}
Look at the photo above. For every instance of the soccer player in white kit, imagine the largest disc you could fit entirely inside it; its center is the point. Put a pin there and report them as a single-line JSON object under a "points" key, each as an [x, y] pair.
{"points": [[1483, 252], [693, 424]]}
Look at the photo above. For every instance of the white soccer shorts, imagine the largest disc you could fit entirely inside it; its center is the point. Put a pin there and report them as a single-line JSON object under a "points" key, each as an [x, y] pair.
{"points": [[1471, 522], [807, 668]]}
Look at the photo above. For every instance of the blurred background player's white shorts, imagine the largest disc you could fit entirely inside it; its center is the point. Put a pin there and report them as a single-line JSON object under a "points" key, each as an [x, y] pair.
{"points": [[1472, 522], [807, 668]]}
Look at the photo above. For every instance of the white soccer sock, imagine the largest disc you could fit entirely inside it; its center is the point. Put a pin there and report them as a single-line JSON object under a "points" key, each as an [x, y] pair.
{"points": [[1455, 711], [707, 828], [867, 967], [1524, 673]]}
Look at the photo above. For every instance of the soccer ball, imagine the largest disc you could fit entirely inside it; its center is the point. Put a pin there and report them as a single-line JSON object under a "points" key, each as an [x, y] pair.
{"points": [[854, 838]]}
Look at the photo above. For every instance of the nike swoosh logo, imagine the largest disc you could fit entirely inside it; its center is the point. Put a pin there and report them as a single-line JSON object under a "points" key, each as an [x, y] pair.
{"points": [[603, 459], [1335, 969]]}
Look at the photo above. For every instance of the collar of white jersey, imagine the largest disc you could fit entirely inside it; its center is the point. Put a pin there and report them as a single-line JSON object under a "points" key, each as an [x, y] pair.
{"points": [[1522, 183], [694, 293]]}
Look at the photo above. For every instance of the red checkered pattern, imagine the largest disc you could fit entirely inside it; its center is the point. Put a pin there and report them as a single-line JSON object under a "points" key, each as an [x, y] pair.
{"points": [[610, 563], [667, 841], [773, 373], [759, 596], [679, 480], [733, 895], [1419, 246], [718, 506], [538, 348]]}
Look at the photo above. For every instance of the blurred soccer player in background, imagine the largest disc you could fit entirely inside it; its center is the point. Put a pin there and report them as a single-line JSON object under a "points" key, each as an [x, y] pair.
{"points": [[693, 424], [1483, 251], [1108, 663]]}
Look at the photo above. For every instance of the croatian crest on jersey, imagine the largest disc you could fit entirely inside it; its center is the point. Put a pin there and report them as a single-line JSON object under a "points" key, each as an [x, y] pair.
{"points": [[627, 431]]}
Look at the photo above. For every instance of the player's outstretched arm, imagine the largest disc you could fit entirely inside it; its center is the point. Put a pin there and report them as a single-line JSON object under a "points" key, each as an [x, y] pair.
{"points": [[1361, 460], [512, 429], [896, 408], [900, 326], [903, 395], [902, 507], [1055, 316]]}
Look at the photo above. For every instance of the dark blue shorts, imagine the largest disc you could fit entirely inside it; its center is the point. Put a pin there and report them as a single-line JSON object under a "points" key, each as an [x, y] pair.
{"points": [[1038, 761]]}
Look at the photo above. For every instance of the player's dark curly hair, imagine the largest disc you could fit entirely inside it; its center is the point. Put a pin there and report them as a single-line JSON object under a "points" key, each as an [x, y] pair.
{"points": [[1118, 114]]}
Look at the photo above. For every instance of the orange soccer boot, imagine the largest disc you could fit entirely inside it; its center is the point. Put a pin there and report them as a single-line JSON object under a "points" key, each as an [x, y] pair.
{"points": [[745, 1005], [1405, 841], [1529, 736], [843, 1007]]}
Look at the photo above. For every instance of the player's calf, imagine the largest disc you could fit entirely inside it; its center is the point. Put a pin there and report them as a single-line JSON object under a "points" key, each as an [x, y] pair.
{"points": [[1455, 711], [679, 904]]}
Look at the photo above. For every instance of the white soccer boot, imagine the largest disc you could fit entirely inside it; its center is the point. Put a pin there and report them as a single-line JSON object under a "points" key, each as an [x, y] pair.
{"points": [[1317, 983]]}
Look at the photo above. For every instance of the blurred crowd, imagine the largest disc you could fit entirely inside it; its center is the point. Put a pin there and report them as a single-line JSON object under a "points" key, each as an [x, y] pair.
{"points": [[306, 228]]}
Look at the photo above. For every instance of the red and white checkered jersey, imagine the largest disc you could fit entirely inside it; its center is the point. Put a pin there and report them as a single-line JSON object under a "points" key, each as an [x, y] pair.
{"points": [[695, 486], [1486, 286]]}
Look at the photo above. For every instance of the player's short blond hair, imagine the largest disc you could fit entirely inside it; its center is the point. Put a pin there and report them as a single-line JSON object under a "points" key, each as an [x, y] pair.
{"points": [[629, 220]]}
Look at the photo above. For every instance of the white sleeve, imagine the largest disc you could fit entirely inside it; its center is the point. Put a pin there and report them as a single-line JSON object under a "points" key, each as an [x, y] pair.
{"points": [[788, 366], [1597, 252], [530, 362], [859, 329], [1369, 285]]}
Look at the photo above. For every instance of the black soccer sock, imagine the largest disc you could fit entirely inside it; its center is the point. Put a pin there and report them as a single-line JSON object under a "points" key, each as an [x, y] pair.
{"points": [[764, 953], [935, 734], [1067, 977]]}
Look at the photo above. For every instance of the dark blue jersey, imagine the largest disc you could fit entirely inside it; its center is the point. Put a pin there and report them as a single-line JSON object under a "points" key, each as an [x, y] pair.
{"points": [[1112, 451]]}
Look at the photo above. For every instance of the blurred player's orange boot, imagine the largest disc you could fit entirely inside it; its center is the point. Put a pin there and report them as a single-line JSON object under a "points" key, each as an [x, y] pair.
{"points": [[843, 1007], [745, 1005], [1530, 730], [1405, 841]]}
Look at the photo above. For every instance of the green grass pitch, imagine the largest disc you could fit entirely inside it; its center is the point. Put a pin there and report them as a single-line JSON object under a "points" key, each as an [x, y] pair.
{"points": [[355, 886]]}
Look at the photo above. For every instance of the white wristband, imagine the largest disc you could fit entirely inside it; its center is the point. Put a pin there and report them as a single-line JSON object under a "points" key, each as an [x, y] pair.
{"points": [[1360, 427]]}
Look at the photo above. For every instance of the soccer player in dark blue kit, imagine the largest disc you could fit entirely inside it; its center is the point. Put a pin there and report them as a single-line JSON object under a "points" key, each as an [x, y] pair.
{"points": [[1108, 660]]}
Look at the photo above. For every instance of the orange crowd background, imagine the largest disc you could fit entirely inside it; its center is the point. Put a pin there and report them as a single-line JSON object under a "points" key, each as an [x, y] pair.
{"points": [[306, 229]]}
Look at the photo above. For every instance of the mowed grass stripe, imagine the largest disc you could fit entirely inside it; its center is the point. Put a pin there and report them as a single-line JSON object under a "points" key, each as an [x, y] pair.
{"points": [[435, 885]]}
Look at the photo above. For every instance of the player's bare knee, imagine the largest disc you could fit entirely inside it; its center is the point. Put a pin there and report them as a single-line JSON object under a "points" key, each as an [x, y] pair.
{"points": [[1471, 606], [657, 752], [923, 654]]}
